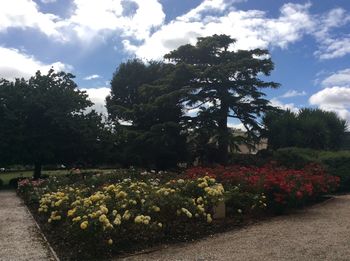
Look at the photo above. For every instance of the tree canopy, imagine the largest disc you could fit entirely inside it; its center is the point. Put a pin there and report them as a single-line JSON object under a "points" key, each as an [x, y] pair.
{"points": [[43, 120], [224, 83], [145, 106], [309, 128]]}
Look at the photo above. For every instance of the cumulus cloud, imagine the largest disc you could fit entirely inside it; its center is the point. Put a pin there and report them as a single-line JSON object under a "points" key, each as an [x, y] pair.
{"points": [[16, 64], [48, 1], [293, 93], [133, 18], [92, 77], [332, 45], [141, 25], [98, 97], [25, 14], [335, 99], [252, 28], [89, 19], [284, 106], [340, 78], [335, 95]]}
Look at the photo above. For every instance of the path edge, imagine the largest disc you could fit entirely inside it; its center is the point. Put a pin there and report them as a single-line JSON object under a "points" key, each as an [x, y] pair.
{"points": [[53, 252]]}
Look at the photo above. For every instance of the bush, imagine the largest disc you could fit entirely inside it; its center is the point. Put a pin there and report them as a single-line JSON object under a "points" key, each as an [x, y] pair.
{"points": [[1, 183], [124, 213], [336, 163], [295, 158], [284, 188], [13, 183]]}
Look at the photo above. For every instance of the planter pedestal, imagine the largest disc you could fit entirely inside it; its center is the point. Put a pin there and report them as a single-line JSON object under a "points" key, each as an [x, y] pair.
{"points": [[219, 210]]}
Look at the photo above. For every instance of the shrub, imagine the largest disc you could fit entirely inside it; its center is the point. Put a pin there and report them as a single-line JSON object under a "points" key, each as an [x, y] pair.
{"points": [[336, 163], [1, 183], [13, 183], [129, 211], [295, 157], [284, 188]]}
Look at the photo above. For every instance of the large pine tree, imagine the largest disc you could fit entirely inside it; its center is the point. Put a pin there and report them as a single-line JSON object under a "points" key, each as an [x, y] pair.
{"points": [[225, 83]]}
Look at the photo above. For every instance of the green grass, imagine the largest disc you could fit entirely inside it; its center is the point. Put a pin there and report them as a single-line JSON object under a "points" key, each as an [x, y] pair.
{"points": [[7, 176]]}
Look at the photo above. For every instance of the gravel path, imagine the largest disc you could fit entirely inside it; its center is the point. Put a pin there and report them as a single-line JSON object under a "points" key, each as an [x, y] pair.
{"points": [[19, 236], [321, 232]]}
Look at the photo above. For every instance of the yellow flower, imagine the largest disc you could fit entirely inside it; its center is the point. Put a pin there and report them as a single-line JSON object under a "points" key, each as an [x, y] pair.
{"points": [[186, 212], [110, 241], [103, 209], [84, 225], [121, 194], [118, 220], [71, 212], [103, 218], [76, 219], [160, 225], [138, 219], [209, 218], [126, 215], [203, 184], [156, 208]]}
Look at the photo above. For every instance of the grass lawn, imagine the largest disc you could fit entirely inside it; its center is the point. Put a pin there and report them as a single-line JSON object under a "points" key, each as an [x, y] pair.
{"points": [[7, 176]]}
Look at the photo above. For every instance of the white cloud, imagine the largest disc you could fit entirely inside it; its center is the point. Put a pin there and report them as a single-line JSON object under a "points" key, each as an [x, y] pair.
{"points": [[98, 97], [334, 48], [331, 45], [111, 16], [89, 19], [284, 106], [238, 126], [25, 14], [140, 25], [252, 28], [335, 99], [340, 78], [293, 93], [92, 77], [48, 1], [332, 96], [15, 64]]}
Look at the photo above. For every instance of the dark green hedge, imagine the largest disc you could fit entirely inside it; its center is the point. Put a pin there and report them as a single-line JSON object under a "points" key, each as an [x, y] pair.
{"points": [[337, 163]]}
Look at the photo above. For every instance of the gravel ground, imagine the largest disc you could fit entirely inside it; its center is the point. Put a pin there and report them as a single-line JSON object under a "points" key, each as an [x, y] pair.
{"points": [[19, 236], [321, 232]]}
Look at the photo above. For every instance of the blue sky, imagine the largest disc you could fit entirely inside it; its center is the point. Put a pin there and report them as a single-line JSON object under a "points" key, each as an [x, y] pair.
{"points": [[309, 41]]}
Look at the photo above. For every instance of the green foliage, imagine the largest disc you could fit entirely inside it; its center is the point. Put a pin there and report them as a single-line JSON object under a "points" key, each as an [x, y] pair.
{"points": [[337, 163], [146, 98], [310, 128], [43, 121], [222, 84]]}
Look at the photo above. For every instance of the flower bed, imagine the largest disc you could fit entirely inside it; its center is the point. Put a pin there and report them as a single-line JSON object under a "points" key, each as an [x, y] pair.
{"points": [[284, 188], [112, 217], [89, 215]]}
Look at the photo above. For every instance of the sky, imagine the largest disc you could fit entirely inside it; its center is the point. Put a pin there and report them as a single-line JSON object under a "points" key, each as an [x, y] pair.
{"points": [[309, 41]]}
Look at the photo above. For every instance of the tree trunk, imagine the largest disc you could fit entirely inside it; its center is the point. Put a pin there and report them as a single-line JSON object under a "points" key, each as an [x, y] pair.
{"points": [[223, 139], [37, 170]]}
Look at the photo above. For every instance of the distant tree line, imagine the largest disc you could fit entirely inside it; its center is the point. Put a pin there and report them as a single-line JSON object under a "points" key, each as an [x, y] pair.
{"points": [[160, 113]]}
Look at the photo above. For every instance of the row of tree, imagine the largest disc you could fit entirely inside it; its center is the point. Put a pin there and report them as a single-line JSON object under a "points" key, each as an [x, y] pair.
{"points": [[159, 113], [309, 128]]}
